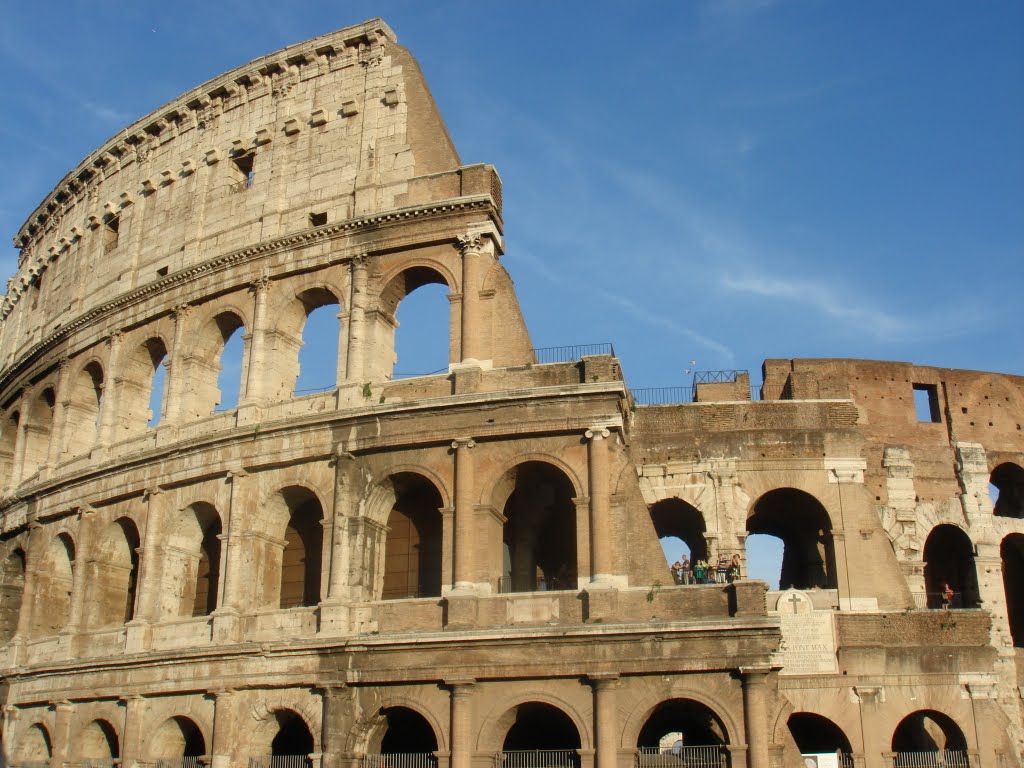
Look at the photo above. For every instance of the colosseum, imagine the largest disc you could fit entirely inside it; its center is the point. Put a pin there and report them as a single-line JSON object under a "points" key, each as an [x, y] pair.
{"points": [[459, 570]]}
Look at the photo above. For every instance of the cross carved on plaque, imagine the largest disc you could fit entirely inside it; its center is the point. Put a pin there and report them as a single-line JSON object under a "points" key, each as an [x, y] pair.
{"points": [[794, 600]]}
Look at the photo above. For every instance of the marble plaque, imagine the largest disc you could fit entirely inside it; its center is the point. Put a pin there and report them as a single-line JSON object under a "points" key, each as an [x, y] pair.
{"points": [[808, 637]]}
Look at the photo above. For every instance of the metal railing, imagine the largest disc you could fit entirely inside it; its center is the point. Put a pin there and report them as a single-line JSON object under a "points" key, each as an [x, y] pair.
{"points": [[181, 762], [572, 353], [717, 377], [936, 601], [662, 395], [942, 758], [281, 761], [537, 758], [682, 757], [401, 760]]}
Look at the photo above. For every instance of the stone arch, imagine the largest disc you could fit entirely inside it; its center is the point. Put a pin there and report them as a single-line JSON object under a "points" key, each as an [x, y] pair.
{"points": [[98, 739], [649, 702], [36, 744], [177, 736], [292, 557], [539, 544], [137, 383], [949, 559], [54, 579], [290, 338], [403, 729], [700, 725], [816, 734], [1008, 478], [497, 491], [413, 546], [192, 555], [82, 413], [1011, 551], [114, 575], [928, 730], [804, 526], [674, 517], [395, 287], [414, 703], [12, 588], [8, 441], [205, 360], [380, 497], [496, 723], [38, 429], [284, 731]]}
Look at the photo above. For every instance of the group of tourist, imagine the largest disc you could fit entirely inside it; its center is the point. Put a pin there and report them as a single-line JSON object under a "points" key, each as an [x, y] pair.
{"points": [[722, 571]]}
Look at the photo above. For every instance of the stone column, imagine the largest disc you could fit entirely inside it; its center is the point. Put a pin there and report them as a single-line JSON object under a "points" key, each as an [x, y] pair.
{"points": [[460, 736], [64, 713], [223, 746], [255, 373], [465, 575], [354, 371], [755, 714], [80, 576], [108, 403], [20, 436], [471, 247], [344, 506], [150, 567], [60, 415], [229, 600], [605, 719], [601, 565], [176, 381], [131, 738], [333, 733]]}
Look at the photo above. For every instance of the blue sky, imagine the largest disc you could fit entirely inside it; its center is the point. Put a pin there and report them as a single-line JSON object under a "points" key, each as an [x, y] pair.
{"points": [[717, 180]]}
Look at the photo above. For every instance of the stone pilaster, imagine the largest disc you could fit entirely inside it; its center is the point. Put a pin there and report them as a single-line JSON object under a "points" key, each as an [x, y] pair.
{"points": [[150, 561], [81, 576], [471, 247], [357, 330], [177, 380], [601, 557], [755, 715], [131, 739], [109, 404], [255, 374], [64, 713], [605, 718], [55, 450], [460, 739], [465, 517], [226, 625], [223, 746]]}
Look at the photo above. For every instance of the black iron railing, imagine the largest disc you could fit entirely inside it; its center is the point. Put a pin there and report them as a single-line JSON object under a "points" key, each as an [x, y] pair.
{"points": [[682, 757], [941, 758], [717, 377], [662, 395], [572, 352]]}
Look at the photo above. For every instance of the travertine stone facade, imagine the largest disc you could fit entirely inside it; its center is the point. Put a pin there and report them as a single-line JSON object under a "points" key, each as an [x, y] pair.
{"points": [[444, 569]]}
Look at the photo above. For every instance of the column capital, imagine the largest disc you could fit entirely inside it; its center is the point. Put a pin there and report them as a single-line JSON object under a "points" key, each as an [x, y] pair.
{"points": [[463, 442], [461, 686], [181, 311], [597, 433], [63, 705], [149, 493], [114, 338], [757, 673], [233, 474], [360, 259], [603, 681], [471, 242], [261, 284], [221, 693]]}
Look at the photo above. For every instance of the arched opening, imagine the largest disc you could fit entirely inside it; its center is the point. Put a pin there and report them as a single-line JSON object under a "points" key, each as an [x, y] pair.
{"points": [[8, 440], [320, 327], [1009, 481], [83, 410], [53, 588], [764, 558], [215, 367], [950, 578], [302, 554], [1011, 551], [37, 432], [12, 587], [141, 389], [36, 745], [191, 563], [178, 737], [802, 524], [115, 578], [681, 724], [539, 536], [540, 735], [424, 344], [817, 735], [928, 731], [293, 735], [406, 732], [98, 740], [412, 553], [676, 521]]}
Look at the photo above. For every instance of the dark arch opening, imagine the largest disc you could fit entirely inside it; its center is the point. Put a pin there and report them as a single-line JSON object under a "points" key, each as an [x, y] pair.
{"points": [[690, 722], [674, 518], [99, 739], [949, 560], [293, 736], [815, 734], [208, 571], [927, 731], [36, 745], [803, 525], [1009, 481], [407, 732], [1012, 552], [539, 536], [412, 553], [179, 737], [303, 550], [541, 726]]}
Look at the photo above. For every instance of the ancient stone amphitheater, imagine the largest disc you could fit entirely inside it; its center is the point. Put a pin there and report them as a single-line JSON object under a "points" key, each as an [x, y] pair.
{"points": [[460, 569]]}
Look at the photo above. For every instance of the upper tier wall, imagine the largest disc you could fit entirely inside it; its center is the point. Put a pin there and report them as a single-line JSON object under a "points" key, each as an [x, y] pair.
{"points": [[318, 133]]}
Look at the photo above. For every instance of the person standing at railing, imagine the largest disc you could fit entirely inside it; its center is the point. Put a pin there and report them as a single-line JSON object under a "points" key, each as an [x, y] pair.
{"points": [[722, 569], [947, 595], [733, 573], [686, 571]]}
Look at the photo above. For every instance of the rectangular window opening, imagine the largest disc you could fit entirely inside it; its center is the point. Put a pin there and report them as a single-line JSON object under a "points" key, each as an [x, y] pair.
{"points": [[926, 403], [318, 219], [110, 233], [245, 165]]}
